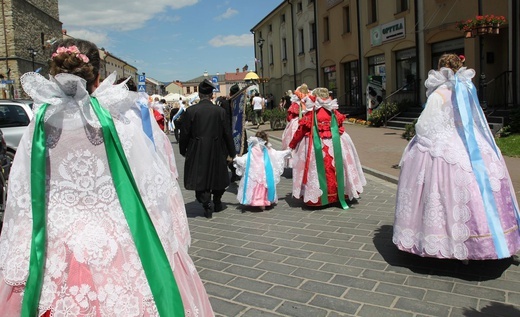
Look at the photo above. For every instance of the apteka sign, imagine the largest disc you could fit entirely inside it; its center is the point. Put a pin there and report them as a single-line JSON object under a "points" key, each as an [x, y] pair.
{"points": [[393, 30]]}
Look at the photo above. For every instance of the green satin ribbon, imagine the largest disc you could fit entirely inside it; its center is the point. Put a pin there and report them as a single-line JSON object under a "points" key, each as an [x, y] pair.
{"points": [[320, 165], [338, 159], [33, 285], [151, 252]]}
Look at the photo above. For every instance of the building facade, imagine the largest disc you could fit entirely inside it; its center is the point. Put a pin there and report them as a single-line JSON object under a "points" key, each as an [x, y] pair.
{"points": [[286, 48], [389, 45], [29, 28], [111, 63]]}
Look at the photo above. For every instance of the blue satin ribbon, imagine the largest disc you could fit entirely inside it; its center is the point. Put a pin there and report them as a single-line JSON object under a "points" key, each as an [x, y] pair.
{"points": [[269, 175], [246, 175], [271, 192], [147, 124], [466, 103]]}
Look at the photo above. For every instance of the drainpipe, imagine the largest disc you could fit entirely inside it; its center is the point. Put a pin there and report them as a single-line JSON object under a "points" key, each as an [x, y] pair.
{"points": [[316, 44], [417, 51], [8, 71], [360, 54], [293, 44]]}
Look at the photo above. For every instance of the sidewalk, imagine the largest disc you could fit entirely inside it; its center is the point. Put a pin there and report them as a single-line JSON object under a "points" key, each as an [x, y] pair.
{"points": [[380, 151]]}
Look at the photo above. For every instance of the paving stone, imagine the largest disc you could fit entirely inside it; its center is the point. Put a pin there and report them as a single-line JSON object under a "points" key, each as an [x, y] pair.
{"points": [[282, 279], [300, 310], [260, 301], [371, 297], [221, 291], [423, 307], [248, 284], [373, 311], [324, 288], [244, 271], [431, 283], [313, 275], [450, 299], [335, 304], [282, 268], [226, 308], [480, 292], [259, 313], [355, 282], [400, 290], [241, 260]]}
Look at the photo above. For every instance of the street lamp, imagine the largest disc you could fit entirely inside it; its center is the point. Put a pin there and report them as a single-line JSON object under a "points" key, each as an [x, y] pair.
{"points": [[260, 44], [32, 51]]}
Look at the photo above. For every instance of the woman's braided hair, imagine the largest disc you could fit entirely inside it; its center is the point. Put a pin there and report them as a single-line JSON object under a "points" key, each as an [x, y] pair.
{"points": [[452, 61], [76, 64]]}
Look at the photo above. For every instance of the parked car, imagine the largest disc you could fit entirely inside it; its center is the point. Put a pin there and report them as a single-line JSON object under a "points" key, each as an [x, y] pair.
{"points": [[15, 116], [5, 167]]}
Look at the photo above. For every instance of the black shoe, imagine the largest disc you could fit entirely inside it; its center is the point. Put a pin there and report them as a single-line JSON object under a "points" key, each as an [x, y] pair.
{"points": [[208, 213], [235, 178], [217, 206]]}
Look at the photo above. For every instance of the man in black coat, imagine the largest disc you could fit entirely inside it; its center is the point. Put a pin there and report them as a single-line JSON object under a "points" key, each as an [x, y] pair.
{"points": [[206, 142]]}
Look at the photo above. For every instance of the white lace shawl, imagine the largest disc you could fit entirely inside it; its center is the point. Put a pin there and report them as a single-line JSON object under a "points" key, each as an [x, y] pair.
{"points": [[85, 222]]}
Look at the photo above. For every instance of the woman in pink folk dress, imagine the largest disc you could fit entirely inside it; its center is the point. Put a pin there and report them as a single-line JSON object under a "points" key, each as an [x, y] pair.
{"points": [[455, 199], [261, 168], [95, 223]]}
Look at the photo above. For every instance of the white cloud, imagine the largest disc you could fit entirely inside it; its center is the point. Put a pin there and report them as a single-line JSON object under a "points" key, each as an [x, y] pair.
{"points": [[120, 15], [226, 15], [232, 40], [100, 39]]}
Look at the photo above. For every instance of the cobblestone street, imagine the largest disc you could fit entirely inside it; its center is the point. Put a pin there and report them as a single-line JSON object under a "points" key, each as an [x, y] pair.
{"points": [[295, 261]]}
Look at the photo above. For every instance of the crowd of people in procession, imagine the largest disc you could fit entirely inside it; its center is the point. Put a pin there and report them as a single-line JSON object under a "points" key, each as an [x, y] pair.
{"points": [[96, 180]]}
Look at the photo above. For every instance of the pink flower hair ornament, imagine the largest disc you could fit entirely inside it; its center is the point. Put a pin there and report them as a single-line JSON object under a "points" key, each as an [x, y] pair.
{"points": [[71, 50]]}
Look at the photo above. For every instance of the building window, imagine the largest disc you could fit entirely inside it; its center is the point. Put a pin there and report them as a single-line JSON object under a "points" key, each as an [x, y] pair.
{"points": [[283, 18], [299, 7], [312, 28], [402, 5], [310, 2], [300, 42], [271, 56], [270, 28], [284, 49], [346, 19], [372, 11], [406, 69], [326, 33], [329, 74], [351, 80], [377, 67]]}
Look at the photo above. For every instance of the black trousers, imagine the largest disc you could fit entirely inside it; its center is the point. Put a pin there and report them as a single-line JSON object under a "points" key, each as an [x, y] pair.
{"points": [[204, 197]]}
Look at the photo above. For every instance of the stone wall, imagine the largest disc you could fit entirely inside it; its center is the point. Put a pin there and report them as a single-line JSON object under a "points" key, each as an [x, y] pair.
{"points": [[27, 24]]}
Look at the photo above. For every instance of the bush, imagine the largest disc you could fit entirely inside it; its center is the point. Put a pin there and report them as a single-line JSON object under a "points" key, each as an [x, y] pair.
{"points": [[409, 130], [384, 112], [514, 122], [275, 114]]}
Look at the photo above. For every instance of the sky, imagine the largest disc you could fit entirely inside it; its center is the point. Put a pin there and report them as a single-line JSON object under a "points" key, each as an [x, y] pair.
{"points": [[170, 39]]}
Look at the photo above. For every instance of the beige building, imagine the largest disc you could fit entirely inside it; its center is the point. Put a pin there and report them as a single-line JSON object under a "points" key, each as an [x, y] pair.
{"points": [[285, 48], [390, 43], [111, 63], [175, 87]]}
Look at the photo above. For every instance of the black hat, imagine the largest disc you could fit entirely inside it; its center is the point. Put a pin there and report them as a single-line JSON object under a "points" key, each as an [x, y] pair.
{"points": [[234, 89], [206, 87]]}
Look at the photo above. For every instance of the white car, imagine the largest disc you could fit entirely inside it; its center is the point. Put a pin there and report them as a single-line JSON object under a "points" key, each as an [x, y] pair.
{"points": [[15, 116]]}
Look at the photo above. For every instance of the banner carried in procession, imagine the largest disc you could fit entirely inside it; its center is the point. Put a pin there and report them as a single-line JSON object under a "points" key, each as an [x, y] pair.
{"points": [[238, 105]]}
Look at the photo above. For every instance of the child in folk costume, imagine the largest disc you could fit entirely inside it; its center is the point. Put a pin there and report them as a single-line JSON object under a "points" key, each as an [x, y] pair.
{"points": [[261, 168], [326, 167], [294, 113]]}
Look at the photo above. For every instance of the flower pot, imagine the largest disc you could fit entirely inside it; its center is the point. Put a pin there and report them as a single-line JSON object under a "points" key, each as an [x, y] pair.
{"points": [[278, 124], [481, 30], [473, 32], [496, 28]]}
